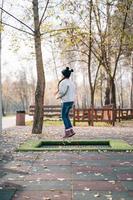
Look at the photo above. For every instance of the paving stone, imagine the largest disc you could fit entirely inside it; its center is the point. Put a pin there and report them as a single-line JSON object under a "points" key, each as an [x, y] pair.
{"points": [[17, 166], [120, 163], [131, 193], [53, 162], [9, 185], [7, 172], [91, 156], [128, 185], [124, 170], [50, 168], [50, 176], [38, 185], [94, 176], [2, 173], [43, 195], [92, 169], [127, 176], [7, 194], [57, 155], [25, 157], [101, 163], [14, 176], [98, 185], [88, 195], [122, 156]]}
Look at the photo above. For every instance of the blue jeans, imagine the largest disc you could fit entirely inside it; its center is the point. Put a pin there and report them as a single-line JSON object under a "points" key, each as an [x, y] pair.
{"points": [[66, 106]]}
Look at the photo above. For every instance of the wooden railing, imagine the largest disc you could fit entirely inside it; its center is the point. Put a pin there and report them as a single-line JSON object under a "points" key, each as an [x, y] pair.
{"points": [[124, 113], [90, 115], [49, 110]]}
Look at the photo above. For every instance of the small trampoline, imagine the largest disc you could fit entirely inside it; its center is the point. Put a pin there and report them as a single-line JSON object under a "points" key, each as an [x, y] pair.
{"points": [[91, 145]]}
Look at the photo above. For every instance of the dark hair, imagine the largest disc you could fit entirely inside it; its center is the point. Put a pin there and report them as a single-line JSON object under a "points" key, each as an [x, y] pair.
{"points": [[66, 73]]}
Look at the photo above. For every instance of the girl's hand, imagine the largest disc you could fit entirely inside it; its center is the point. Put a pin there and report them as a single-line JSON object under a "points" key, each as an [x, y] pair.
{"points": [[57, 97], [55, 93]]}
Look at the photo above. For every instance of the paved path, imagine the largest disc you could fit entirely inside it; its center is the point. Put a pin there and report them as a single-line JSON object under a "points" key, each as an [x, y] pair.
{"points": [[68, 176], [65, 175], [10, 121]]}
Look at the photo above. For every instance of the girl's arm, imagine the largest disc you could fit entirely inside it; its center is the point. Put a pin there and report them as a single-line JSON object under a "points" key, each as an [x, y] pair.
{"points": [[62, 94]]}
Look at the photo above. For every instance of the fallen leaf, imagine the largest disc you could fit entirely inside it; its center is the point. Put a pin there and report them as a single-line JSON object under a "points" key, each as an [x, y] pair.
{"points": [[10, 179], [113, 182], [87, 189], [46, 198], [79, 172], [97, 195], [18, 165], [97, 174], [26, 197], [52, 189], [21, 176], [129, 179], [60, 179], [108, 195]]}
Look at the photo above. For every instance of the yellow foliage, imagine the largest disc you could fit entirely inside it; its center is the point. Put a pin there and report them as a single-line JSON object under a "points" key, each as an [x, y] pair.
{"points": [[1, 27], [46, 27]]}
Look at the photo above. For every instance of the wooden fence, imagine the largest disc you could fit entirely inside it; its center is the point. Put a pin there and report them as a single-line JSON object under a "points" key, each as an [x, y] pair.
{"points": [[90, 115]]}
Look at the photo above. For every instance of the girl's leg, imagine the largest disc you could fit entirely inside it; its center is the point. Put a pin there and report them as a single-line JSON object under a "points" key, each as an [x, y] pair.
{"points": [[66, 120], [65, 114]]}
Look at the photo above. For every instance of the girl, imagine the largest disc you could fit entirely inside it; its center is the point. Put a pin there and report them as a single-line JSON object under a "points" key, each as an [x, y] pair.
{"points": [[66, 92]]}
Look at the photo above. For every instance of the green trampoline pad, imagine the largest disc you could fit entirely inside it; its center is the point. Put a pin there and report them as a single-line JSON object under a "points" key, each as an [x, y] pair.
{"points": [[91, 145]]}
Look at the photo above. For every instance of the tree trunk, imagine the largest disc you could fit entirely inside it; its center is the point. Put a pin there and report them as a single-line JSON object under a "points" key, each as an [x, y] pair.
{"points": [[92, 98], [2, 3], [101, 92], [108, 60], [107, 93], [131, 97], [39, 93], [113, 92], [90, 51]]}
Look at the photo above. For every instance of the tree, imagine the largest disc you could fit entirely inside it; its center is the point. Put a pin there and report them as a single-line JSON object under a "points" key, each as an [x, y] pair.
{"points": [[40, 88], [111, 42], [2, 3], [79, 39], [39, 94]]}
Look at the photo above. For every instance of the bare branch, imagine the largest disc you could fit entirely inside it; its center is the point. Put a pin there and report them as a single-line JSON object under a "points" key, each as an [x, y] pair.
{"points": [[2, 4], [96, 75], [59, 30], [77, 61], [83, 52], [43, 14], [97, 19], [121, 39], [16, 19], [16, 28]]}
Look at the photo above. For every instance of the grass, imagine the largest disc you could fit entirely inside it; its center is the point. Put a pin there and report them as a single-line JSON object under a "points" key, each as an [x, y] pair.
{"points": [[66, 145], [49, 122]]}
